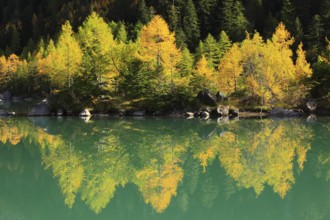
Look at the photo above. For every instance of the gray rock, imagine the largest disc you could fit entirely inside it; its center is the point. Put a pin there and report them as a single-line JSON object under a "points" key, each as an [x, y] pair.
{"points": [[41, 109], [138, 113], [207, 98], [6, 113], [205, 115], [221, 97], [311, 105], [189, 114], [223, 110], [85, 113], [59, 112]]}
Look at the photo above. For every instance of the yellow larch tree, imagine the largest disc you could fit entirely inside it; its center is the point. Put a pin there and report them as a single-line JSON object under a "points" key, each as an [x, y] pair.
{"points": [[157, 48], [69, 57], [203, 73], [229, 70], [303, 68]]}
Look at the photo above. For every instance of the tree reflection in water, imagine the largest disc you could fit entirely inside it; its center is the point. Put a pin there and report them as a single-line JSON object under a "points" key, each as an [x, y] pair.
{"points": [[161, 155]]}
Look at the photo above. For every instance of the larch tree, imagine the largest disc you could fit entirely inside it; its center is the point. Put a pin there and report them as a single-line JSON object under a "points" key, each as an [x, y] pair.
{"points": [[157, 48], [229, 70], [98, 46], [203, 74], [69, 56], [300, 85], [303, 68]]}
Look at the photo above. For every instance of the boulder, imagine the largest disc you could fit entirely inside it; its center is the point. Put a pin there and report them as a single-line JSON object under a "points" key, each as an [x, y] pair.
{"points": [[11, 113], [221, 97], [59, 112], [85, 113], [207, 98], [6, 113], [311, 105], [189, 114], [41, 109], [223, 110], [205, 115]]}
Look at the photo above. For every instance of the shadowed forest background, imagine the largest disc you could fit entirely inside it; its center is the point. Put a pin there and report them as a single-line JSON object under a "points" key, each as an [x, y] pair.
{"points": [[159, 54]]}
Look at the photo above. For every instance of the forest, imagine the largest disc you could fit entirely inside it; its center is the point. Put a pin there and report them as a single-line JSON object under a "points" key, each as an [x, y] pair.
{"points": [[108, 54]]}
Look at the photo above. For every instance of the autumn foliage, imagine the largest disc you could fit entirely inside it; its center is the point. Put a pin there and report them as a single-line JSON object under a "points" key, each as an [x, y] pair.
{"points": [[99, 61]]}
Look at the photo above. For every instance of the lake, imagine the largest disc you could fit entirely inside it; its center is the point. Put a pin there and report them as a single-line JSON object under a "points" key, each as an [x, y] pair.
{"points": [[161, 168]]}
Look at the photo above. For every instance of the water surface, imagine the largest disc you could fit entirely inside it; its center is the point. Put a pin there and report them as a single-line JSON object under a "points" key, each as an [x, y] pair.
{"points": [[162, 168]]}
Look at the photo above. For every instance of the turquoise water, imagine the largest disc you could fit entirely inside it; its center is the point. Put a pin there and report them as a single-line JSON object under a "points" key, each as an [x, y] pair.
{"points": [[158, 168]]}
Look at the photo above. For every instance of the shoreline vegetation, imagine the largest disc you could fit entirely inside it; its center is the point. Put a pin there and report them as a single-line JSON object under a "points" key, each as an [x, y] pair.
{"points": [[98, 68]]}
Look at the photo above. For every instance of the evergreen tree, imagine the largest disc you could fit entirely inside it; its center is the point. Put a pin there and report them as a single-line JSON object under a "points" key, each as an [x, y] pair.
{"points": [[270, 24], [211, 50], [180, 38], [234, 21], [298, 33], [173, 17], [325, 16], [15, 42], [288, 15], [186, 64], [191, 24], [224, 44], [315, 34], [144, 12], [205, 10], [28, 48], [200, 50]]}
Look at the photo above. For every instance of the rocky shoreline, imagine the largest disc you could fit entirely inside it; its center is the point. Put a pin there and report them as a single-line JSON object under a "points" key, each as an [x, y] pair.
{"points": [[210, 108]]}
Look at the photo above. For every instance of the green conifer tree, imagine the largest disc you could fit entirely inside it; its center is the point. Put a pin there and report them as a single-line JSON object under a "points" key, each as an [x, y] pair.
{"points": [[191, 24], [288, 15]]}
